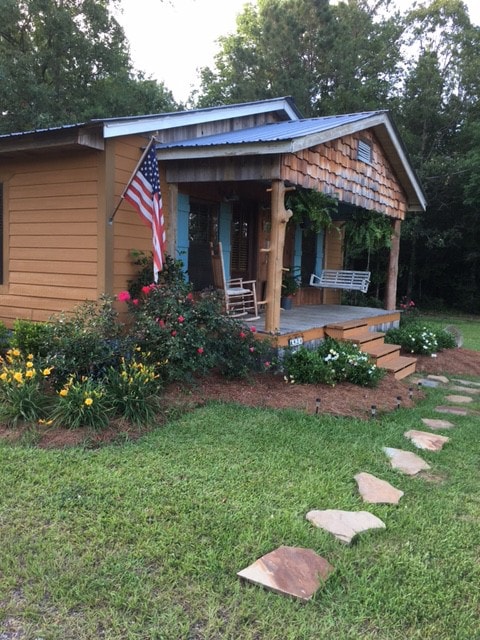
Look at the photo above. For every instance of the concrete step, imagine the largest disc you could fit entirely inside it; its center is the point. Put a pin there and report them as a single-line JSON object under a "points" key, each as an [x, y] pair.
{"points": [[346, 330], [381, 353], [401, 367]]}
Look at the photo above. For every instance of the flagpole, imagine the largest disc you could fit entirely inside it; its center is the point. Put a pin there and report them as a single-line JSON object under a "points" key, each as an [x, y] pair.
{"points": [[147, 149]]}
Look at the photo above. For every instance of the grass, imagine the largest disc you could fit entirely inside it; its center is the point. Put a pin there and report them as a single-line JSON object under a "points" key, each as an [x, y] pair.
{"points": [[469, 326], [143, 540]]}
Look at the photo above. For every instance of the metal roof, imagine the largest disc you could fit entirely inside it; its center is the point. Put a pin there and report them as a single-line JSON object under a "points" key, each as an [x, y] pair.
{"points": [[273, 132]]}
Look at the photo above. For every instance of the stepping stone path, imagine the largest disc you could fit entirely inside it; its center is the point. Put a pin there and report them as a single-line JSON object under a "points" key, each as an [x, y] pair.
{"points": [[406, 461], [298, 572], [290, 571], [344, 525], [437, 424], [425, 440], [459, 399], [376, 491]]}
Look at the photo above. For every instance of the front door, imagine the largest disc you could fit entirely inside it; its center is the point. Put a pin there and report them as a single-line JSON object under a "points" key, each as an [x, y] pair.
{"points": [[243, 261]]}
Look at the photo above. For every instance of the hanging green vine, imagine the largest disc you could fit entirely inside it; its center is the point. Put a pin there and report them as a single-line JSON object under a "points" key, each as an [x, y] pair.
{"points": [[313, 210], [368, 231]]}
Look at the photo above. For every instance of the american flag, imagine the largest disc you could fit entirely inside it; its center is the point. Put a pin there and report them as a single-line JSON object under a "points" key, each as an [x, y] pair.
{"points": [[143, 192]]}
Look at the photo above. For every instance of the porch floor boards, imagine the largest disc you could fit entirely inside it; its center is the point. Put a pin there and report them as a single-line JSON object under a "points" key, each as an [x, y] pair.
{"points": [[304, 318]]}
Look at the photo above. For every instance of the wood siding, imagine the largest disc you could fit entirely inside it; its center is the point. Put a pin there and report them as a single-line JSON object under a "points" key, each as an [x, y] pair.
{"points": [[334, 169], [51, 236]]}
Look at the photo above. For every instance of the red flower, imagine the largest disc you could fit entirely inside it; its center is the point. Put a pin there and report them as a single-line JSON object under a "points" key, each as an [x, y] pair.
{"points": [[190, 296], [267, 364], [161, 322], [135, 301], [146, 289], [173, 333], [242, 334], [200, 350], [124, 296], [253, 329], [252, 349], [180, 319]]}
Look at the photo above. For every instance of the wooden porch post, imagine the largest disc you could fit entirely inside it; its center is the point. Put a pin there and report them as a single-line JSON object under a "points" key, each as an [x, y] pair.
{"points": [[280, 217], [391, 292]]}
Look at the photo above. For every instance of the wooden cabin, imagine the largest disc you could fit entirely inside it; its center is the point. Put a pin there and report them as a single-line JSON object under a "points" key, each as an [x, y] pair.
{"points": [[224, 174]]}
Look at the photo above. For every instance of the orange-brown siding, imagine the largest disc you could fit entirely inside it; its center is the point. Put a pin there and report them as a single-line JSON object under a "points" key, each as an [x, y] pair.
{"points": [[51, 243], [332, 167]]}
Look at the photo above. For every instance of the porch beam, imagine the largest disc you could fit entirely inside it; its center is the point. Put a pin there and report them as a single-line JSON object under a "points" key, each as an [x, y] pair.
{"points": [[279, 218], [391, 290]]}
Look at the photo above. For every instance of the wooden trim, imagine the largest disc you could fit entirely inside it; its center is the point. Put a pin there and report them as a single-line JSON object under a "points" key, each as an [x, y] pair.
{"points": [[391, 292]]}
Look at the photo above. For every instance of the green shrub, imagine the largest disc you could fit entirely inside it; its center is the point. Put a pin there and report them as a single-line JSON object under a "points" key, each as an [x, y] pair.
{"points": [[445, 339], [133, 389], [32, 337], [86, 343], [330, 363], [190, 334], [23, 389], [414, 337], [82, 402], [5, 337]]}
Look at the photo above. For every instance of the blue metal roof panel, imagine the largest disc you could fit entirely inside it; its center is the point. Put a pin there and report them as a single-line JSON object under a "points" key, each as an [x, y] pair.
{"points": [[277, 131]]}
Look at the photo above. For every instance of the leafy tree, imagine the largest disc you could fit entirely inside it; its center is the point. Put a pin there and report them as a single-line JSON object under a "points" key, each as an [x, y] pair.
{"points": [[65, 60]]}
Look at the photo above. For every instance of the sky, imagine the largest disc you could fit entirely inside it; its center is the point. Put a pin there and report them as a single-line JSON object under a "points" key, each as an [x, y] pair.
{"points": [[171, 39]]}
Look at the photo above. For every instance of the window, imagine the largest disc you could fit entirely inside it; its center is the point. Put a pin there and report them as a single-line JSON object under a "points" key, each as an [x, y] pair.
{"points": [[364, 152]]}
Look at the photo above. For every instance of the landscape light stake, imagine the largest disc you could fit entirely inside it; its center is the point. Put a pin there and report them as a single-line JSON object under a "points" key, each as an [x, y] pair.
{"points": [[410, 393], [317, 406], [373, 410], [399, 401]]}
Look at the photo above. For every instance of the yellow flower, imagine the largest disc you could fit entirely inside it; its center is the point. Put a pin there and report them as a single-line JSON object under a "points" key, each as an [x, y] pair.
{"points": [[30, 356], [63, 392], [4, 376], [29, 365], [88, 401], [45, 422], [30, 373], [47, 371], [15, 352], [18, 376]]}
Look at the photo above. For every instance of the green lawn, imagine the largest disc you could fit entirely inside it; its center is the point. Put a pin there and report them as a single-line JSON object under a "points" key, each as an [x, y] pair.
{"points": [[469, 326], [143, 540]]}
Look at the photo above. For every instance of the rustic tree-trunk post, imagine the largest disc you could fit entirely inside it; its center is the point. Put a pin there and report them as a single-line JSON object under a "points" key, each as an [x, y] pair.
{"points": [[391, 292], [280, 217]]}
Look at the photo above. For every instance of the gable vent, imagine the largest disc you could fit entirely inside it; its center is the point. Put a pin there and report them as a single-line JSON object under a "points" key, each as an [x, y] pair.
{"points": [[364, 152]]}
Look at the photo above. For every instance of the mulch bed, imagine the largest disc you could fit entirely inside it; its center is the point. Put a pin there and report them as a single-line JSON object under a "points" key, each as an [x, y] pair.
{"points": [[270, 391]]}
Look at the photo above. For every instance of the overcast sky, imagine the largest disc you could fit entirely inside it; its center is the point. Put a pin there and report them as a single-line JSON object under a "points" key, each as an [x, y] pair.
{"points": [[171, 39]]}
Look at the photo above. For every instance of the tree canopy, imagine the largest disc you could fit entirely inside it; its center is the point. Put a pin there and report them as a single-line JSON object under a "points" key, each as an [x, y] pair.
{"points": [[64, 61]]}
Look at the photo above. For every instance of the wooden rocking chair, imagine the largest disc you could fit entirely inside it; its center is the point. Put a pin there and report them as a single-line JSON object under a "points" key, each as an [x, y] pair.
{"points": [[240, 295]]}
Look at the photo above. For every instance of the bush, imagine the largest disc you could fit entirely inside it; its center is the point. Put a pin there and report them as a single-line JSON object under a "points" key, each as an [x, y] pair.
{"points": [[415, 338], [132, 389], [191, 334], [23, 393], [86, 343], [32, 337], [330, 363], [82, 403]]}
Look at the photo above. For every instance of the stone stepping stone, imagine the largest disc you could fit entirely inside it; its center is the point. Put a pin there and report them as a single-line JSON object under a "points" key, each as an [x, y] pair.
{"points": [[437, 424], [406, 461], [466, 383], [344, 525], [441, 379], [425, 440], [459, 399], [290, 571], [456, 411], [428, 383], [469, 390], [376, 491]]}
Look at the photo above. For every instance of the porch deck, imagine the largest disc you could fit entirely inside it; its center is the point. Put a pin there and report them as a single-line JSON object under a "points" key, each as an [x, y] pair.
{"points": [[309, 321]]}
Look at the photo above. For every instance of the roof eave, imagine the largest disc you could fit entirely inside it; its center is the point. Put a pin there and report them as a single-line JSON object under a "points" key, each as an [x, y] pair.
{"points": [[86, 137]]}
